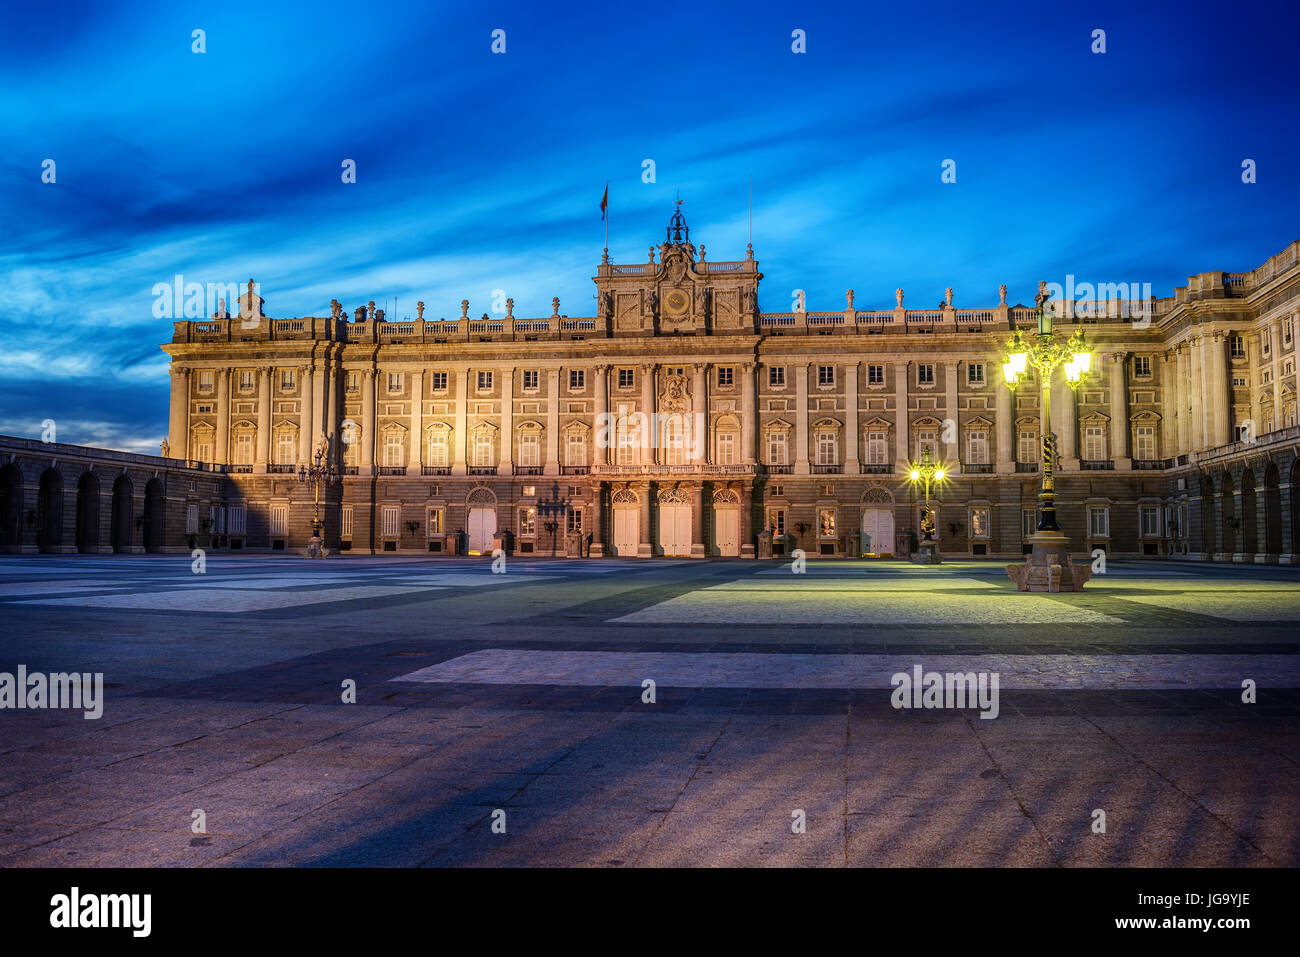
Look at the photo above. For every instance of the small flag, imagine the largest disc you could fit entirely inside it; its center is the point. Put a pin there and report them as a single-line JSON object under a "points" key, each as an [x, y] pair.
{"points": [[604, 202]]}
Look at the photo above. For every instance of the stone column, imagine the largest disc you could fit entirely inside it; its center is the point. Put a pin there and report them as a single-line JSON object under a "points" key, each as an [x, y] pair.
{"points": [[851, 466], [604, 427], [305, 425], [1221, 391], [1168, 423], [747, 519], [1006, 452], [649, 454], [700, 413], [507, 422], [952, 453], [368, 420], [748, 419], [178, 422], [415, 460], [1119, 424], [902, 422], [1275, 332], [552, 464], [645, 548], [697, 521], [333, 382], [264, 381], [220, 453], [320, 403], [1196, 386], [462, 416], [801, 418], [1066, 423]]}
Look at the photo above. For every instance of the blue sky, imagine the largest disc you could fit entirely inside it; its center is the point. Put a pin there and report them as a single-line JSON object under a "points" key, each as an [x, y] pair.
{"points": [[478, 171]]}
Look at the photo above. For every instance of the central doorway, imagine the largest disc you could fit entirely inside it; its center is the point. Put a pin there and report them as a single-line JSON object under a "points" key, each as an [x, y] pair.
{"points": [[675, 524], [877, 523], [482, 529]]}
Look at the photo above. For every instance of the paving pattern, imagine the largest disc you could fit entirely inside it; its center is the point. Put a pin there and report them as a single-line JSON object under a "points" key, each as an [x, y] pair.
{"points": [[518, 699]]}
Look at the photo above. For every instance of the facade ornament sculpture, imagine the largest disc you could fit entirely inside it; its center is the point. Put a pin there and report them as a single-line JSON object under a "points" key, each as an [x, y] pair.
{"points": [[165, 449], [555, 306], [464, 309], [848, 295], [1042, 296], [419, 311], [947, 296], [1002, 294], [898, 296], [335, 308]]}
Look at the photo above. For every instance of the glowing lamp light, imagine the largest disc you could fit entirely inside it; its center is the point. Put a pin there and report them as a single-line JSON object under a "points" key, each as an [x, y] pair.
{"points": [[939, 474], [1071, 372], [1083, 361], [915, 475]]}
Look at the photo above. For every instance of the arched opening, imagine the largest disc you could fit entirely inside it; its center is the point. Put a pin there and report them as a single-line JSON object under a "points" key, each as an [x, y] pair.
{"points": [[1207, 517], [49, 511], [1249, 529], [153, 516], [88, 512], [1272, 512], [1295, 505], [11, 508], [1228, 509], [122, 518]]}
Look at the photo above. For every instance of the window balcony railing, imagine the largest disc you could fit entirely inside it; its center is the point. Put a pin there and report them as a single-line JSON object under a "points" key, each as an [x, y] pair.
{"points": [[977, 468], [482, 470], [868, 469], [574, 469], [352, 470], [528, 470], [277, 469], [240, 469], [1026, 466], [780, 469], [392, 470], [828, 469], [1096, 465], [1153, 464], [435, 470]]}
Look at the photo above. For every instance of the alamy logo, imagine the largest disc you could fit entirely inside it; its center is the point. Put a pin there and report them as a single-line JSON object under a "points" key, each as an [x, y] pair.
{"points": [[932, 689], [56, 690], [102, 910]]}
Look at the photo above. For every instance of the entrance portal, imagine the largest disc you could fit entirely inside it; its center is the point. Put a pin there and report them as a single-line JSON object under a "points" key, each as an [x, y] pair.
{"points": [[878, 532]]}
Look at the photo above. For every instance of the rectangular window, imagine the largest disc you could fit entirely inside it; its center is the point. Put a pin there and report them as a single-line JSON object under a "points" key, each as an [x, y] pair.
{"points": [[285, 442], [776, 376], [1142, 367], [485, 381], [626, 444], [1028, 447], [575, 449], [287, 380], [1265, 342], [777, 449], [776, 521], [395, 382], [573, 524], [826, 523], [1149, 519], [927, 439], [389, 516], [191, 519], [217, 520], [393, 450], [626, 378], [726, 448], [202, 450], [1099, 522], [238, 518], [438, 450], [875, 375], [483, 450], [205, 380], [975, 373], [977, 448], [279, 521], [877, 448], [1144, 445], [925, 373], [244, 448], [246, 380], [1028, 522], [1237, 347], [1094, 442], [726, 377], [528, 450], [435, 522], [577, 380], [347, 519], [825, 375], [1239, 382], [439, 381], [827, 449], [527, 522], [979, 523], [531, 379]]}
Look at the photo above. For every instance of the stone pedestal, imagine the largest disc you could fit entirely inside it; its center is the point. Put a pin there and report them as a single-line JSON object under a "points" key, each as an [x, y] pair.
{"points": [[315, 548], [927, 553], [764, 544], [1048, 567]]}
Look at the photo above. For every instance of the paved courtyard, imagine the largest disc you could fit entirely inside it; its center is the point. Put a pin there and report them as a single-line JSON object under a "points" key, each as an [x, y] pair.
{"points": [[510, 719]]}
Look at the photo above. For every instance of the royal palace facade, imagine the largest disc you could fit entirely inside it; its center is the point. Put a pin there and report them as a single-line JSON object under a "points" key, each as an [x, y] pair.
{"points": [[682, 421]]}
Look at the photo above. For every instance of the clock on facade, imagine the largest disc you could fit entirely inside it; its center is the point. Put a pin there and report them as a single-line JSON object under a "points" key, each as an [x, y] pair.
{"points": [[675, 302]]}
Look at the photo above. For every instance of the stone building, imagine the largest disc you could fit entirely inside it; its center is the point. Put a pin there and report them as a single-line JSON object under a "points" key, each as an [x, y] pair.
{"points": [[681, 420]]}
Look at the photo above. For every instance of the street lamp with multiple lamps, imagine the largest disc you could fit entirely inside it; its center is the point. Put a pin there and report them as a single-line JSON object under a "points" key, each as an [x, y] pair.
{"points": [[927, 473], [1043, 354], [317, 473]]}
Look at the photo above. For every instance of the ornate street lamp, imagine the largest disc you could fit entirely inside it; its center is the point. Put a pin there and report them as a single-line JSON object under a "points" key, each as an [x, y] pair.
{"points": [[553, 510], [1043, 354], [317, 473], [927, 473]]}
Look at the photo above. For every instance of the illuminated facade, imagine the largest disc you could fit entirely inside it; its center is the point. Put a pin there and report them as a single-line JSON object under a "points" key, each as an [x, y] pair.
{"points": [[681, 420]]}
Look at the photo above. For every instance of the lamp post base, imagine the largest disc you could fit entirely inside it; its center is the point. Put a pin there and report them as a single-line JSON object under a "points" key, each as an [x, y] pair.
{"points": [[927, 554], [315, 548], [1048, 567]]}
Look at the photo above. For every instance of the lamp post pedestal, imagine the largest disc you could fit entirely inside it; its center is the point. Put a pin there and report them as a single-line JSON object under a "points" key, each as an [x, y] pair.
{"points": [[927, 553]]}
